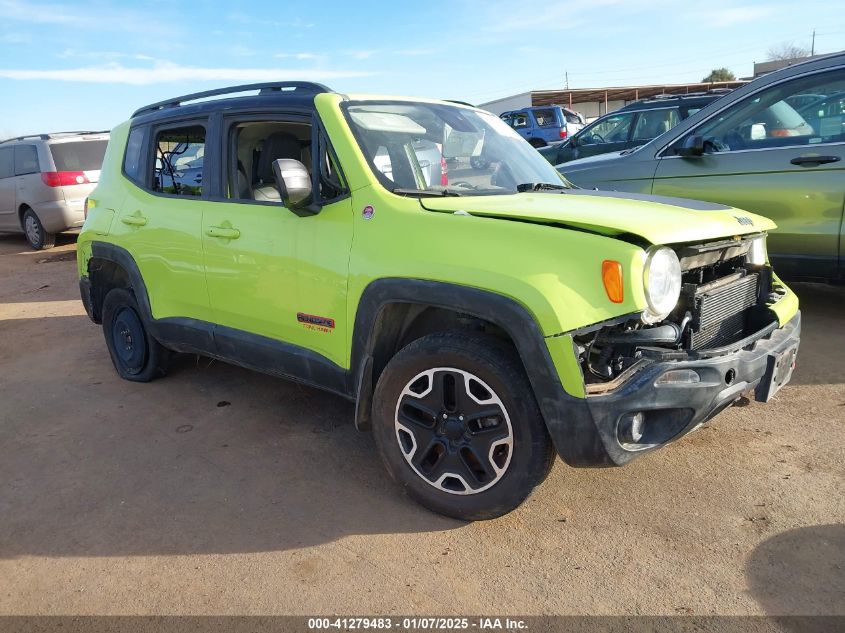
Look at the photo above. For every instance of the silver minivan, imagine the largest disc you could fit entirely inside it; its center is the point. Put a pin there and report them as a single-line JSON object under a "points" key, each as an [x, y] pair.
{"points": [[44, 181]]}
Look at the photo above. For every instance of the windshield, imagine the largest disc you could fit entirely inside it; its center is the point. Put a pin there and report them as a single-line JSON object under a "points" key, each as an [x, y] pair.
{"points": [[437, 149]]}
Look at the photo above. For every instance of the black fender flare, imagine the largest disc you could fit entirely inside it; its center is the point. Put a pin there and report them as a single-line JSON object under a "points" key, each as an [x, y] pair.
{"points": [[567, 417]]}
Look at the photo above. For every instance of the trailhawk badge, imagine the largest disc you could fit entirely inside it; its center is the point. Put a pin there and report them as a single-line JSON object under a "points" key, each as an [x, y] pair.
{"points": [[313, 322]]}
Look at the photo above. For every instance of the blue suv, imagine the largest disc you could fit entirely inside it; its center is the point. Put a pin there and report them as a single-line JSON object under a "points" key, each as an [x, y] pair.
{"points": [[544, 125]]}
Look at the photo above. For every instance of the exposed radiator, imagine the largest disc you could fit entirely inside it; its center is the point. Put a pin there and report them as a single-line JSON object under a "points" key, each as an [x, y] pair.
{"points": [[721, 312]]}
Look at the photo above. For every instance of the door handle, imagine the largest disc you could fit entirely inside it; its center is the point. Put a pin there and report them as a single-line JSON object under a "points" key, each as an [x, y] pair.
{"points": [[814, 160], [225, 232], [135, 219]]}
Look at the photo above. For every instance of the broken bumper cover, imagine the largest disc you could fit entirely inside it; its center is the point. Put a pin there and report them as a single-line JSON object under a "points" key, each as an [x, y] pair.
{"points": [[672, 402]]}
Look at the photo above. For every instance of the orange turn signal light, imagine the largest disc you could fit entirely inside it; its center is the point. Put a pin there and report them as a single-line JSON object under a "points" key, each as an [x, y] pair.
{"points": [[611, 276]]}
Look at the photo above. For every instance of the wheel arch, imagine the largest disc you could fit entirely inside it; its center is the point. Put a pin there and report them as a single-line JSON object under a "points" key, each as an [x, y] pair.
{"points": [[111, 267], [393, 312], [23, 207]]}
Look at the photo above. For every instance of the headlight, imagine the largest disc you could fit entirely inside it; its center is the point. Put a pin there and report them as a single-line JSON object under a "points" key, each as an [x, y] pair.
{"points": [[757, 252], [662, 281]]}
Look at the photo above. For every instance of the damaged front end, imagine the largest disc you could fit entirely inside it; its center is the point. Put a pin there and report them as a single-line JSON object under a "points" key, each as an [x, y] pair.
{"points": [[726, 288]]}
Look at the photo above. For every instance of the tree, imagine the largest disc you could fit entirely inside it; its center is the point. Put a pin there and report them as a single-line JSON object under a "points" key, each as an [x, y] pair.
{"points": [[719, 74], [787, 50]]}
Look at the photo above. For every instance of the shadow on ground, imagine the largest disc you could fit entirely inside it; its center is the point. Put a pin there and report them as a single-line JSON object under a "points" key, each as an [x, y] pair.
{"points": [[800, 572], [211, 459]]}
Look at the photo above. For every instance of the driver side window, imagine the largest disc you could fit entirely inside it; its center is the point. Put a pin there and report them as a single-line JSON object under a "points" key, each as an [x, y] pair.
{"points": [[614, 129], [779, 116]]}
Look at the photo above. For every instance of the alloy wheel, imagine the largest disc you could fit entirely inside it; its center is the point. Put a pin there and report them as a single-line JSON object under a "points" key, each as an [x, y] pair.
{"points": [[454, 431]]}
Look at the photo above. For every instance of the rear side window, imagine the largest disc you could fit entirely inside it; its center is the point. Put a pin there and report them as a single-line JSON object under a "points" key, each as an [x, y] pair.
{"points": [[78, 155], [7, 162], [546, 117], [132, 160], [179, 157], [26, 160], [652, 123], [518, 120], [571, 117]]}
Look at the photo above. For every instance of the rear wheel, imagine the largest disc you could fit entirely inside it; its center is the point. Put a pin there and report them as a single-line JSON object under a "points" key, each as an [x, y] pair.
{"points": [[537, 143], [458, 428], [136, 355], [36, 235]]}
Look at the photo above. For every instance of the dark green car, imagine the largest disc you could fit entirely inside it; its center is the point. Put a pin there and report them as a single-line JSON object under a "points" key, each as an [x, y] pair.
{"points": [[755, 150], [635, 124]]}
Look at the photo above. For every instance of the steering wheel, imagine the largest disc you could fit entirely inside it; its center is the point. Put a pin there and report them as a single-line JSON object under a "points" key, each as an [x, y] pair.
{"points": [[600, 138]]}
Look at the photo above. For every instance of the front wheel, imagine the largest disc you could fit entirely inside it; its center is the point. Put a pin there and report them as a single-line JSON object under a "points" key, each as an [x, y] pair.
{"points": [[458, 428]]}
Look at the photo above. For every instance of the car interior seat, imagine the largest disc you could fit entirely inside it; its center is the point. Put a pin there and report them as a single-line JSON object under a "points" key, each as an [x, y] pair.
{"points": [[277, 145]]}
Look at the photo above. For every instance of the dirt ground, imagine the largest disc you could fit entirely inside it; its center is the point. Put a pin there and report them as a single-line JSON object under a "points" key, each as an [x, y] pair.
{"points": [[221, 491]]}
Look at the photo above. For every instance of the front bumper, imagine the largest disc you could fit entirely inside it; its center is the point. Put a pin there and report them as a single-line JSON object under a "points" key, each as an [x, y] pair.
{"points": [[585, 432]]}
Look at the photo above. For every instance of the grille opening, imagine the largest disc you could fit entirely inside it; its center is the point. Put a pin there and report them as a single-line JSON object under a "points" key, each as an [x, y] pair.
{"points": [[722, 301]]}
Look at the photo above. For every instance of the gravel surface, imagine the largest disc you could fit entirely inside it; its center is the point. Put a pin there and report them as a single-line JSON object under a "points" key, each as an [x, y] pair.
{"points": [[221, 491]]}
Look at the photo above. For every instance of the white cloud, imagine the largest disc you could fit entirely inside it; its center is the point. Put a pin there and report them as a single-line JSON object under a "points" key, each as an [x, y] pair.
{"points": [[300, 56], [241, 51], [15, 38], [78, 16], [43, 14], [735, 15], [164, 73], [416, 52]]}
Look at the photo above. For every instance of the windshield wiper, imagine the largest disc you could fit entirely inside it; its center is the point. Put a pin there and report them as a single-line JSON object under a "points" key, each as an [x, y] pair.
{"points": [[539, 186], [428, 193]]}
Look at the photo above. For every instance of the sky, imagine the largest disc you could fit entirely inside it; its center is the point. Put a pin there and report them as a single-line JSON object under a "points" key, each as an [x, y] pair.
{"points": [[89, 65]]}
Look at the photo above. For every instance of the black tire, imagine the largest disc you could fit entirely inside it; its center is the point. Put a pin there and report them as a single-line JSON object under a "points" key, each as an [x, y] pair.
{"points": [[450, 474], [37, 237], [136, 355], [537, 143]]}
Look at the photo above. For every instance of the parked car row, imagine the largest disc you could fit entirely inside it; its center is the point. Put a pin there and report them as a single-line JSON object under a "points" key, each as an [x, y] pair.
{"points": [[44, 180], [633, 125], [544, 125], [776, 147]]}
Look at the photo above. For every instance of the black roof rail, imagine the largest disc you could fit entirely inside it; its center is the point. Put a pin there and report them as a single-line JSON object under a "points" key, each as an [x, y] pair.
{"points": [[52, 134], [273, 87]]}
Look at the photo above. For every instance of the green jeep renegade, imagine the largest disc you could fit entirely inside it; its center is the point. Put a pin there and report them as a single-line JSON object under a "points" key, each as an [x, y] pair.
{"points": [[482, 319]]}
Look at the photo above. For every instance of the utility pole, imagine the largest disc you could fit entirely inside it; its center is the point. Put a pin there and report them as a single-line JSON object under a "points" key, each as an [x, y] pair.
{"points": [[813, 45], [566, 74]]}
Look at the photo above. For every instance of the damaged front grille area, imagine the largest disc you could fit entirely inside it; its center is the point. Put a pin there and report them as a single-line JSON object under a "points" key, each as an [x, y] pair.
{"points": [[723, 300], [720, 311]]}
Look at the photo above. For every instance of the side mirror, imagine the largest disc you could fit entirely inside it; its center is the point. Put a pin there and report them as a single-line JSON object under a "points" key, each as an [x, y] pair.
{"points": [[693, 146], [293, 182]]}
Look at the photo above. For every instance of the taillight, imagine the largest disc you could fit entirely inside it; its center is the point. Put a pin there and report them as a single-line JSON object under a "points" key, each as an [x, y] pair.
{"points": [[444, 176], [64, 178], [563, 132]]}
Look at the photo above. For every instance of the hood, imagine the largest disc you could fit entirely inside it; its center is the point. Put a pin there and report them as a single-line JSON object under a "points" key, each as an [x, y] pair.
{"points": [[657, 219]]}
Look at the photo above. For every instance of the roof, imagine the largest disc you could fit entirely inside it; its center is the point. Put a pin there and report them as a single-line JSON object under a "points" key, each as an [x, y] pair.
{"points": [[291, 93], [675, 100], [625, 93]]}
